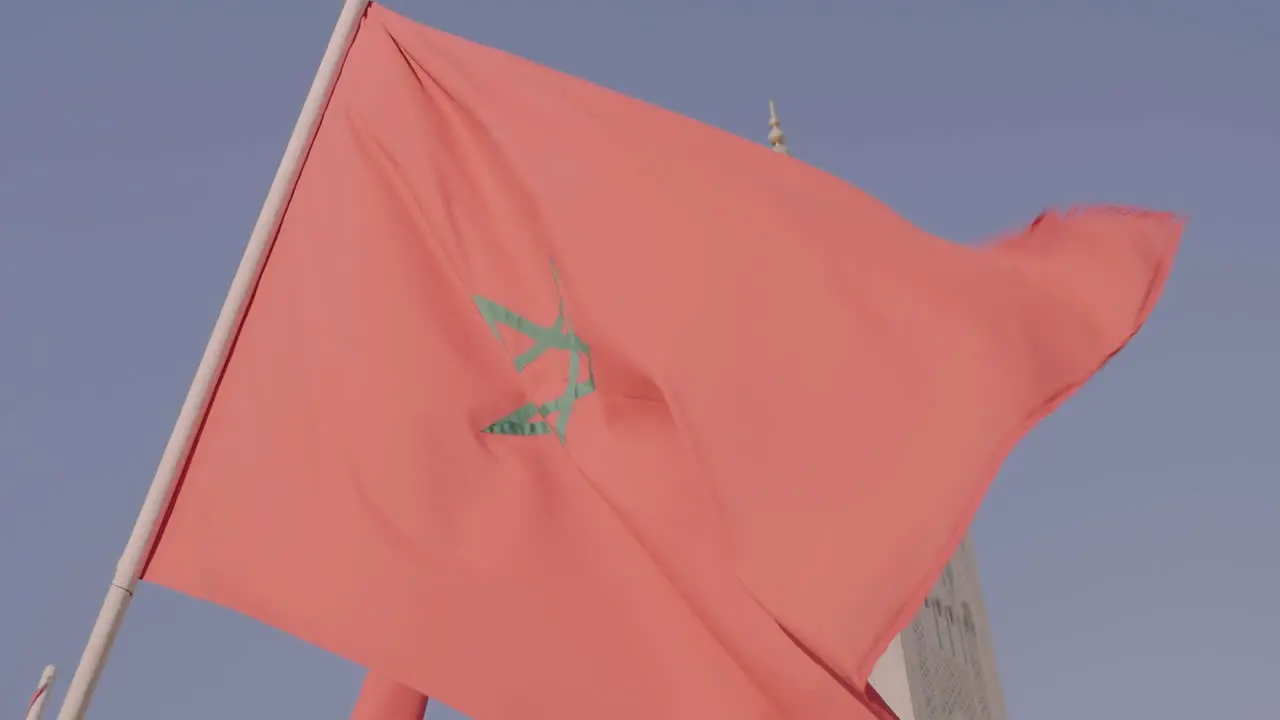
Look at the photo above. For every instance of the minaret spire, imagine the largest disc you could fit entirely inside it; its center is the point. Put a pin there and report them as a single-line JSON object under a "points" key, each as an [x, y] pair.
{"points": [[777, 138]]}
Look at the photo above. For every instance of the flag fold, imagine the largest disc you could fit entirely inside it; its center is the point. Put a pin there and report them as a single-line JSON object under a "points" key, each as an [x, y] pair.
{"points": [[385, 699]]}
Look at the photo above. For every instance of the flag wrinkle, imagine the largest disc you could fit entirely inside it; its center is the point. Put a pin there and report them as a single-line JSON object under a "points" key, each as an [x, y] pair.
{"points": [[677, 588]]}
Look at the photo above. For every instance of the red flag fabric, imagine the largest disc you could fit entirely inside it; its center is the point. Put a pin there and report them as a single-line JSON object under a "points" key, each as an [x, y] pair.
{"points": [[384, 699], [550, 403]]}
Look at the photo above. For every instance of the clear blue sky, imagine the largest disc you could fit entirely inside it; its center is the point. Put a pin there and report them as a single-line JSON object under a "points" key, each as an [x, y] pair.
{"points": [[1128, 548]]}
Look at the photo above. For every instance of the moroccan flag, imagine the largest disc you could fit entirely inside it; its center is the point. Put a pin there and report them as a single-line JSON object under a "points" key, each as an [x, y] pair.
{"points": [[550, 403]]}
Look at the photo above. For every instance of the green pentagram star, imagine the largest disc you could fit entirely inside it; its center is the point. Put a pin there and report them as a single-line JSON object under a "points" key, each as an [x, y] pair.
{"points": [[535, 418]]}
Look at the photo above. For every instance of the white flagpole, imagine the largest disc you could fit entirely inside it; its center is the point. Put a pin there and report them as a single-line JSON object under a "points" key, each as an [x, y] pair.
{"points": [[129, 567], [36, 707]]}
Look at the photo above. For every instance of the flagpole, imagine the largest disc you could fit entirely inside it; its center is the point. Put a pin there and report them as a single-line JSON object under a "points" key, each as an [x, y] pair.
{"points": [[154, 507], [36, 707]]}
